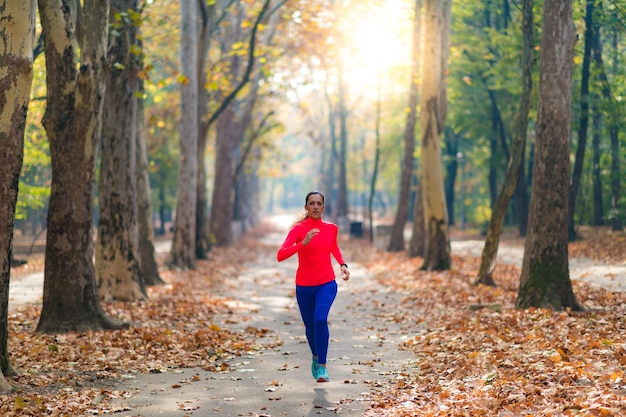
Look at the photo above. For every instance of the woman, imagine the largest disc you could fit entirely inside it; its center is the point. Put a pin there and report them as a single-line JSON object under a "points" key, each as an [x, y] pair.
{"points": [[314, 240]]}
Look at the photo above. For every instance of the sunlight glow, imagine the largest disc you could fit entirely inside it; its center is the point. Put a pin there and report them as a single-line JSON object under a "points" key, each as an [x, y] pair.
{"points": [[381, 41]]}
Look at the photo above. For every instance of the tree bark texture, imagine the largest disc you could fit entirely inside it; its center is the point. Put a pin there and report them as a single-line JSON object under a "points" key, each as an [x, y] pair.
{"points": [[494, 229], [613, 121], [203, 241], [17, 36], [545, 281], [437, 253], [222, 208], [396, 241], [598, 209], [342, 194], [372, 191], [147, 252], [583, 122], [183, 252], [222, 200], [72, 121], [118, 262], [417, 243]]}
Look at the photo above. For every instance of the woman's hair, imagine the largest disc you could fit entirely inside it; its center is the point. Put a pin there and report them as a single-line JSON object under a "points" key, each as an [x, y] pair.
{"points": [[303, 216]]}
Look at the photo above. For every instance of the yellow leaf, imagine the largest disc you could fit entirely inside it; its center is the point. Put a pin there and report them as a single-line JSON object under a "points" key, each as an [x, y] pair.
{"points": [[20, 403]]}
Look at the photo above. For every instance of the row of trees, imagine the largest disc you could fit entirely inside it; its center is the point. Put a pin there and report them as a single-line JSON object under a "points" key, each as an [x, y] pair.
{"points": [[95, 102]]}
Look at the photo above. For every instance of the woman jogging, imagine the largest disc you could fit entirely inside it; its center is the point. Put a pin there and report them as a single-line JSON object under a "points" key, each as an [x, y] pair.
{"points": [[315, 240]]}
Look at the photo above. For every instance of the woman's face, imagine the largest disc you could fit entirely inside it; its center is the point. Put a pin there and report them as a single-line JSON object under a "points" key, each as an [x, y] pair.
{"points": [[315, 206]]}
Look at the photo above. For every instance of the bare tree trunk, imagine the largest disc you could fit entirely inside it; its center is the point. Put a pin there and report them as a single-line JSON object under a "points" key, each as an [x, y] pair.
{"points": [[417, 244], [490, 250], [149, 265], [203, 240], [437, 253], [16, 76], [183, 252], [615, 219], [72, 121], [342, 194], [223, 188], [396, 241], [118, 269], [583, 122], [545, 281], [521, 200], [598, 210], [370, 204]]}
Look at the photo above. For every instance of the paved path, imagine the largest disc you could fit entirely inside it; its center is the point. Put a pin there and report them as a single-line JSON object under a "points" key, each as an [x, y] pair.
{"points": [[278, 382]]}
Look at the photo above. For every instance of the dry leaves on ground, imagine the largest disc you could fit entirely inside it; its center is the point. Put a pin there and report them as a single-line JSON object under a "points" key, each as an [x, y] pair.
{"points": [[185, 323], [476, 355]]}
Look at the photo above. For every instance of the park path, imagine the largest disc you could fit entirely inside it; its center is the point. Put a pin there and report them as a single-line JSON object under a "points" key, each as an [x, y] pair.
{"points": [[363, 357], [363, 354]]}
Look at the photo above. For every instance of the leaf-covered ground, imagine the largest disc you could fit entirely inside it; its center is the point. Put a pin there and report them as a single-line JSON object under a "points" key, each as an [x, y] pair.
{"points": [[475, 355], [183, 324]]}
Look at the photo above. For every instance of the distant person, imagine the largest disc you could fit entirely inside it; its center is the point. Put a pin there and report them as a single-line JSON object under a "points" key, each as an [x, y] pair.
{"points": [[315, 240]]}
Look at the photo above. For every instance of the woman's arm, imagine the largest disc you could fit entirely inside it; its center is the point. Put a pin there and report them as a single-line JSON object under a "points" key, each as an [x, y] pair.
{"points": [[290, 246], [335, 251]]}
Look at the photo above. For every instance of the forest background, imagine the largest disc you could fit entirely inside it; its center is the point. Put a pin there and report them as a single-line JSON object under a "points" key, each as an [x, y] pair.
{"points": [[238, 108]]}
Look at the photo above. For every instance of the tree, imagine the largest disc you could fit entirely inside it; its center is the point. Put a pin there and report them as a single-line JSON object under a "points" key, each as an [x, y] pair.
{"points": [[72, 121], [437, 252], [118, 261], [222, 205], [396, 241], [613, 121], [545, 281], [149, 266], [183, 252], [490, 250], [583, 121], [16, 75]]}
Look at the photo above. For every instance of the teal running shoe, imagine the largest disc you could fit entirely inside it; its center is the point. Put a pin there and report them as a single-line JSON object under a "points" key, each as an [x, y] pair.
{"points": [[322, 375], [315, 368]]}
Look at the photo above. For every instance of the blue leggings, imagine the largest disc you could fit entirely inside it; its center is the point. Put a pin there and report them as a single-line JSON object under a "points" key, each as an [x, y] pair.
{"points": [[315, 303]]}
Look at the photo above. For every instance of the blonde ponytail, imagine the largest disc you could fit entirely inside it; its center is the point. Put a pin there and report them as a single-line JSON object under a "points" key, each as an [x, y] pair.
{"points": [[299, 218]]}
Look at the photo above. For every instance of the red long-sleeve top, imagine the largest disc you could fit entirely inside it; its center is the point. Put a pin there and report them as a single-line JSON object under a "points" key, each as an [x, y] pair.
{"points": [[314, 263]]}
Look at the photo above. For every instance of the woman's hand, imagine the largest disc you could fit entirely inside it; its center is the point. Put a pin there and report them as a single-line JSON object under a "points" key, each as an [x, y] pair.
{"points": [[345, 272], [309, 236]]}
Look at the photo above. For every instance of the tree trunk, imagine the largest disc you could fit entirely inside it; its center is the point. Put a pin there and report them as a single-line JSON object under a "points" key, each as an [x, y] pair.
{"points": [[494, 229], [203, 240], [342, 194], [545, 281], [16, 75], [521, 200], [223, 188], [437, 253], [396, 241], [72, 121], [583, 122], [183, 252], [455, 161], [417, 244], [118, 269], [147, 252], [598, 211], [615, 218], [370, 203]]}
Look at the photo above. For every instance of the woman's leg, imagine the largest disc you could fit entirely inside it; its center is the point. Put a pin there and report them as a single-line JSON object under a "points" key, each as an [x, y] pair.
{"points": [[323, 301], [306, 302]]}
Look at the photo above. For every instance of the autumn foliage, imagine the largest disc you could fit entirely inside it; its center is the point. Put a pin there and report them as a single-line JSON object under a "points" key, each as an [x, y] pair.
{"points": [[474, 353]]}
